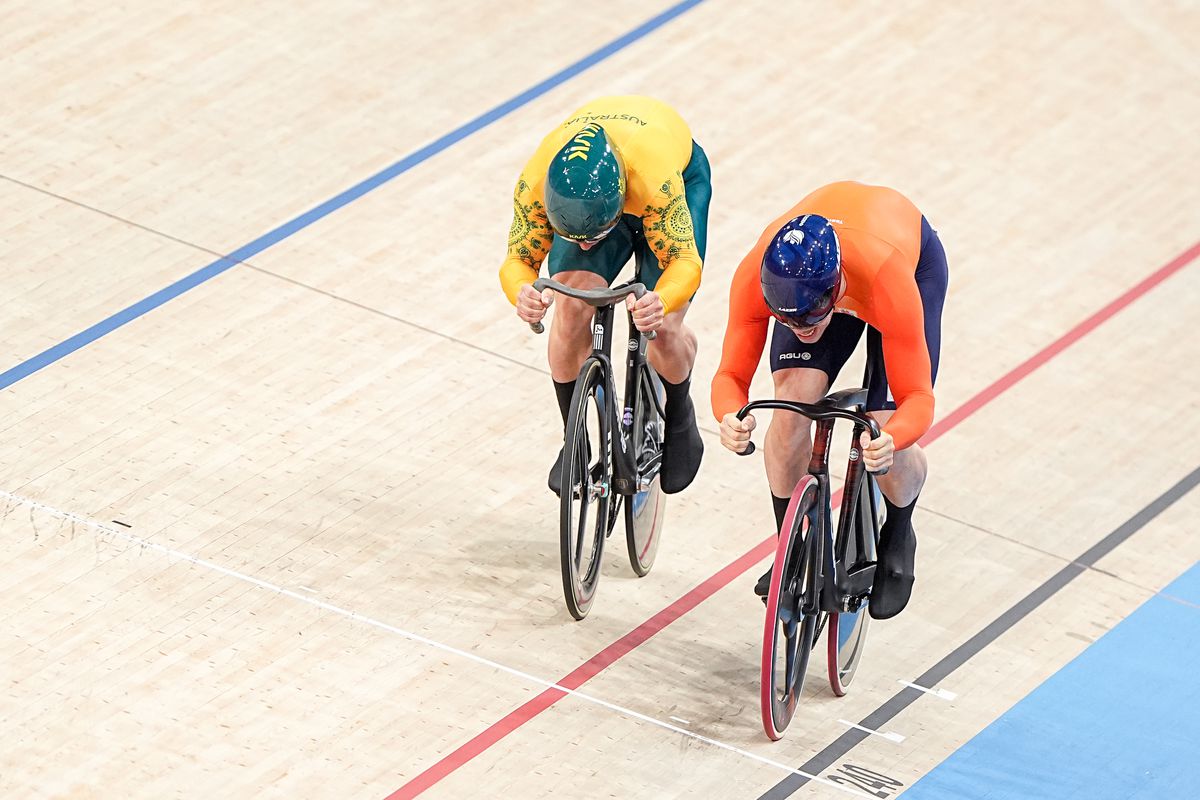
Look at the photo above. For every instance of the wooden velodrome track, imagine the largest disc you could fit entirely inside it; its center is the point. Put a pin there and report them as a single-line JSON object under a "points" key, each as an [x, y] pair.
{"points": [[273, 464]]}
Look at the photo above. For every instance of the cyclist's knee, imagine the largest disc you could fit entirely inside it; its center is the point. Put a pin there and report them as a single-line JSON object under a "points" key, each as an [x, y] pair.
{"points": [[790, 431], [581, 279], [800, 385], [574, 316], [676, 332], [904, 481], [674, 340]]}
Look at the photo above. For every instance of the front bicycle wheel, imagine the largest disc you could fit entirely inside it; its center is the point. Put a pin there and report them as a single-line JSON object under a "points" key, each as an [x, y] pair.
{"points": [[789, 633], [848, 629], [585, 501], [645, 511]]}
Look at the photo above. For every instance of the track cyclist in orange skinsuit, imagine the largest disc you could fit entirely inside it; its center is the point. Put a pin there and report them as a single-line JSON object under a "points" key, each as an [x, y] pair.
{"points": [[847, 256], [621, 177]]}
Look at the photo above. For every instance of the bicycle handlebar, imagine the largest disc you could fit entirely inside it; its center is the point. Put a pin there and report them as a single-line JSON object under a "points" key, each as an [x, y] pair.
{"points": [[593, 297], [816, 411]]}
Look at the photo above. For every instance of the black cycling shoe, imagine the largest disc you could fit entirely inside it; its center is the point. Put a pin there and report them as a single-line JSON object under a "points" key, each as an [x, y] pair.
{"points": [[682, 451], [556, 474], [556, 471], [894, 574], [763, 587]]}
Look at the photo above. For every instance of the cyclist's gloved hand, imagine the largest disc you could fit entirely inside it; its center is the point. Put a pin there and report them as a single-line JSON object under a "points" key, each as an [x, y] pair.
{"points": [[877, 453], [648, 312], [532, 304], [735, 433]]}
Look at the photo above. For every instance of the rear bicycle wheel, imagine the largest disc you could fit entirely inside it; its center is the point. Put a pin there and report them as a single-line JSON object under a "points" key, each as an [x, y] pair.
{"points": [[585, 502], [645, 511], [848, 629], [789, 633]]}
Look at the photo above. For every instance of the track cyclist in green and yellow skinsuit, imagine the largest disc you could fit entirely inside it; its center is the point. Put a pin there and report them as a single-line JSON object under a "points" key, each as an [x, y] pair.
{"points": [[619, 178]]}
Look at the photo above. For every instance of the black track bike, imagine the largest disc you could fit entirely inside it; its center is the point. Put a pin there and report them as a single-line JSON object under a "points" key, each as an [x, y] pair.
{"points": [[821, 576], [612, 452]]}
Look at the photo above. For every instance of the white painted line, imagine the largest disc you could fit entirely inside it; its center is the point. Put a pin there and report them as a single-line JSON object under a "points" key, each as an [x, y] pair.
{"points": [[680, 721], [891, 737], [146, 544], [942, 693], [307, 589]]}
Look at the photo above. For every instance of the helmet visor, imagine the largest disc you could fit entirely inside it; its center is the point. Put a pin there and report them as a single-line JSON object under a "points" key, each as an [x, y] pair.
{"points": [[586, 238], [812, 316]]}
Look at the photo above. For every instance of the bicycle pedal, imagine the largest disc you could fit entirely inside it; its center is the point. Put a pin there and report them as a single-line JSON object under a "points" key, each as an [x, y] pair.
{"points": [[860, 580]]}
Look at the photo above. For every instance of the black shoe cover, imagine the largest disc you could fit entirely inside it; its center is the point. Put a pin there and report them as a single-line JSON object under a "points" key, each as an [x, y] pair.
{"points": [[763, 587], [556, 471], [894, 574], [556, 474], [682, 450]]}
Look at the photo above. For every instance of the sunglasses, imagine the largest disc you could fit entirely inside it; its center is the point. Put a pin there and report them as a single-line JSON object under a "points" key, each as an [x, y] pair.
{"points": [[596, 239], [811, 317], [799, 324]]}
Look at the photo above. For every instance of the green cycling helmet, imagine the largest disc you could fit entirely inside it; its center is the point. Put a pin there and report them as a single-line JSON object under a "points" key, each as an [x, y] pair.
{"points": [[585, 186]]}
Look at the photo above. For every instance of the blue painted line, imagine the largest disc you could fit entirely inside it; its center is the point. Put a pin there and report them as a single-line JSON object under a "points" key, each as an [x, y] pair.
{"points": [[1120, 721], [85, 337]]}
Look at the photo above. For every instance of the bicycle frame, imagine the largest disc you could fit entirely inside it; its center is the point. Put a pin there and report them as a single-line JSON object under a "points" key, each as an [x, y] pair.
{"points": [[626, 443], [811, 585], [839, 595], [834, 589]]}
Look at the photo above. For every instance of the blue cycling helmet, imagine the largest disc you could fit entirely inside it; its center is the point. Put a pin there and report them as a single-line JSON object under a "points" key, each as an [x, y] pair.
{"points": [[585, 186], [801, 270]]}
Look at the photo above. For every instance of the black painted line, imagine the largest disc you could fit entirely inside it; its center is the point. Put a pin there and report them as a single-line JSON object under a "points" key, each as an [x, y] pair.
{"points": [[967, 650]]}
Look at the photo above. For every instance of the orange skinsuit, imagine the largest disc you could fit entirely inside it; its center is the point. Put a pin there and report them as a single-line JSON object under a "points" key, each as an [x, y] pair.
{"points": [[880, 235], [656, 146]]}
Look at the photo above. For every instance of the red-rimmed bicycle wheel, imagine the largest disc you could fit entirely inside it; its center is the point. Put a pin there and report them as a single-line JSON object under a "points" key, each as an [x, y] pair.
{"points": [[788, 634]]}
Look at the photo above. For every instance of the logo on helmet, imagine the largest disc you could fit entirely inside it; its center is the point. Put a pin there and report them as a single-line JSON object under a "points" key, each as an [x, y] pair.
{"points": [[585, 186], [583, 142], [794, 237]]}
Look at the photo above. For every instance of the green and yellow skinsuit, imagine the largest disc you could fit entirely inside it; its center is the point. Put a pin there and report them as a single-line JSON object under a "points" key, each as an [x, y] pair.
{"points": [[658, 151]]}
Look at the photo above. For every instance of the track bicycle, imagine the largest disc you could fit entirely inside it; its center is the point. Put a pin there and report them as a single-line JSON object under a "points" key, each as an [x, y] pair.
{"points": [[821, 577], [610, 459]]}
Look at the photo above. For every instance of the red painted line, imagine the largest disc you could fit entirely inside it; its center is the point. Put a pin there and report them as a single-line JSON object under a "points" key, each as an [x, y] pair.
{"points": [[1058, 345], [712, 585], [585, 672]]}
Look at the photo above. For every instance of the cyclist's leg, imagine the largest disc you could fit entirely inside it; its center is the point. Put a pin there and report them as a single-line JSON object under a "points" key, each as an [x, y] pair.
{"points": [[910, 467], [802, 373], [570, 328], [902, 484], [788, 443], [673, 351], [672, 354], [594, 268], [897, 550]]}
